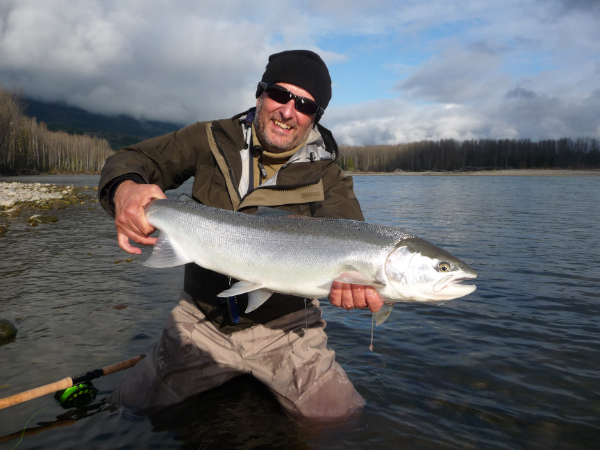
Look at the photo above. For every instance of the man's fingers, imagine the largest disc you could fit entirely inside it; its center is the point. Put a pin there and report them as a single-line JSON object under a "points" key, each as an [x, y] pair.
{"points": [[156, 192], [133, 217], [350, 296], [335, 294], [123, 239], [136, 225], [347, 299], [373, 299], [125, 245], [130, 216], [358, 295]]}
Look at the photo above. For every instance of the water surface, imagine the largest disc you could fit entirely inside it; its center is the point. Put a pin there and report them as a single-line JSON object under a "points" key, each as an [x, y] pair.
{"points": [[516, 364]]}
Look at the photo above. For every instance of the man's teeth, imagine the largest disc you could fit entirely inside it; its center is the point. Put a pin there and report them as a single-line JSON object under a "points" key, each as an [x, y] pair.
{"points": [[282, 125]]}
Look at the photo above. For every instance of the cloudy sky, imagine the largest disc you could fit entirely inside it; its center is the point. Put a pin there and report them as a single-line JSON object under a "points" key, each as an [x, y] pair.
{"points": [[401, 70]]}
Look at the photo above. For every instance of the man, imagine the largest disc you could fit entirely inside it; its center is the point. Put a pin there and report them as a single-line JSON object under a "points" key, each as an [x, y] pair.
{"points": [[274, 155]]}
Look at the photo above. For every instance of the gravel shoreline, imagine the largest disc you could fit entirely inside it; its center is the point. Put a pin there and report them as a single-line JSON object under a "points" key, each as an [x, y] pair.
{"points": [[494, 173], [15, 196]]}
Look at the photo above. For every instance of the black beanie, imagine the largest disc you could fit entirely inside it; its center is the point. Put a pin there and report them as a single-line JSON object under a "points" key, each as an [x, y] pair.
{"points": [[301, 68]]}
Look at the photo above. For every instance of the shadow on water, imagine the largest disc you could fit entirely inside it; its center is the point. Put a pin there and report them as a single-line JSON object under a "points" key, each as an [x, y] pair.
{"points": [[65, 419], [241, 414]]}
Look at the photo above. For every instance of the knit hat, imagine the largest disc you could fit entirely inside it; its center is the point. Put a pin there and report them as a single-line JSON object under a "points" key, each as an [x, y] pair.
{"points": [[301, 68]]}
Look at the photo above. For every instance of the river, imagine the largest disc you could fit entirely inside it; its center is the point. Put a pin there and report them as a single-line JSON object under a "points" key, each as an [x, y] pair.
{"points": [[514, 365]]}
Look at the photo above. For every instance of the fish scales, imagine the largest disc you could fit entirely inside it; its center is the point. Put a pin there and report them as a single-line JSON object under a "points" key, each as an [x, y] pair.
{"points": [[303, 256], [290, 252]]}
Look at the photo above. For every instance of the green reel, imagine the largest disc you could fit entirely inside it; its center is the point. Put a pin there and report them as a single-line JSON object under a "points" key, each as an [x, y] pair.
{"points": [[80, 394]]}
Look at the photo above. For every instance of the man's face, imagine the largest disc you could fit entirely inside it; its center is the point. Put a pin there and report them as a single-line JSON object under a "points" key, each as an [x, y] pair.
{"points": [[280, 128]]}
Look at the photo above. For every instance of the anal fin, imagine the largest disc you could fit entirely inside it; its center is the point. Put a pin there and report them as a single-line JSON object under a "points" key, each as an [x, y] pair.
{"points": [[257, 298]]}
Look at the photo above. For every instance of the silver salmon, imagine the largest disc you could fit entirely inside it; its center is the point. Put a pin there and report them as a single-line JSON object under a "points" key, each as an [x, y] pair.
{"points": [[303, 256]]}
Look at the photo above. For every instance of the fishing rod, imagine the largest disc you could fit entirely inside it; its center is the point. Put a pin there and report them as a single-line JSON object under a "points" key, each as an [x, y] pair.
{"points": [[72, 391]]}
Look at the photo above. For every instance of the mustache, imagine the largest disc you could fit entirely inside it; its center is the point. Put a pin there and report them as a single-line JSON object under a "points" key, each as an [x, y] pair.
{"points": [[290, 122]]}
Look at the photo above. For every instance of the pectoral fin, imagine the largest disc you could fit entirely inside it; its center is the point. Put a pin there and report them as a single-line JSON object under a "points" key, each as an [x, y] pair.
{"points": [[354, 277], [256, 294], [382, 315], [167, 253], [241, 287]]}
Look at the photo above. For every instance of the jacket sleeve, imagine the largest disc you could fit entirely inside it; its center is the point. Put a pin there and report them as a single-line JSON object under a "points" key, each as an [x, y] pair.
{"points": [[166, 161], [340, 201]]}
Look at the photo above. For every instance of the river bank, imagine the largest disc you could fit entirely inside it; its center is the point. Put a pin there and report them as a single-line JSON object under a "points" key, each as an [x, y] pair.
{"points": [[16, 196], [503, 173]]}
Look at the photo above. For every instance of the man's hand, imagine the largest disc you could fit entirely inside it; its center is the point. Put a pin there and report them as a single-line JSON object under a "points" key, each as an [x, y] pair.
{"points": [[350, 296], [130, 218]]}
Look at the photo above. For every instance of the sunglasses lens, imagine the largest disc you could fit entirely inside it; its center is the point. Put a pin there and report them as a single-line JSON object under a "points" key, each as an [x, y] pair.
{"points": [[278, 94], [282, 95], [306, 106]]}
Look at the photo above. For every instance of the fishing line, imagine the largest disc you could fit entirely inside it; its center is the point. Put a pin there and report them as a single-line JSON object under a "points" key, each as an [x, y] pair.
{"points": [[372, 327], [28, 424], [305, 317], [305, 324]]}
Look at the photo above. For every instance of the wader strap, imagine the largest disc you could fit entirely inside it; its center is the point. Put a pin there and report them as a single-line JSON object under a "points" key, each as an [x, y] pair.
{"points": [[224, 167]]}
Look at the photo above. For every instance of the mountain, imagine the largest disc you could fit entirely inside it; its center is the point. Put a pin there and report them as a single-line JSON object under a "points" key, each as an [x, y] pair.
{"points": [[119, 130]]}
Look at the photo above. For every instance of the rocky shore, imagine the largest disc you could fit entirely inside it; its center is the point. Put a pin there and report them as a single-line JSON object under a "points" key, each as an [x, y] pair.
{"points": [[14, 197]]}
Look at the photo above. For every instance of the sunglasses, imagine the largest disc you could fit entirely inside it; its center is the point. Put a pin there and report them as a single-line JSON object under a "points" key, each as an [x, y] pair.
{"points": [[283, 96]]}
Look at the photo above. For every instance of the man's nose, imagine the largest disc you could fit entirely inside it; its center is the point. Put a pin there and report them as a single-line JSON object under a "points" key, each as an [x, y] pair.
{"points": [[288, 110]]}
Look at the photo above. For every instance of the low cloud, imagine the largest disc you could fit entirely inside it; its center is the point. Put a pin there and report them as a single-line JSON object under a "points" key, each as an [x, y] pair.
{"points": [[174, 62], [469, 70], [520, 114]]}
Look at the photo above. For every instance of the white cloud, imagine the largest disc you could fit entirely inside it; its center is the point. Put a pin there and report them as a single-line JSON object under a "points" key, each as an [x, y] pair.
{"points": [[177, 61], [505, 69]]}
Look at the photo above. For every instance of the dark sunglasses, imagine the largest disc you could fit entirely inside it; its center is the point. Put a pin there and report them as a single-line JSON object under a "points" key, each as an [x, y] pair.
{"points": [[283, 96]]}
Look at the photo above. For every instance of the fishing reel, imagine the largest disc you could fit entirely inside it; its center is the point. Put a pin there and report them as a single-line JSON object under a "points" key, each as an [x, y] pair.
{"points": [[78, 395]]}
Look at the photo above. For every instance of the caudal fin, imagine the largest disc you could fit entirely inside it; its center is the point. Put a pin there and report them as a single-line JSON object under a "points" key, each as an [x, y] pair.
{"points": [[167, 253]]}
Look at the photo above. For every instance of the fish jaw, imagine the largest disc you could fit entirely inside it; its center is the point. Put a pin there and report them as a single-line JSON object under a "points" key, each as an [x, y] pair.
{"points": [[418, 270], [450, 287]]}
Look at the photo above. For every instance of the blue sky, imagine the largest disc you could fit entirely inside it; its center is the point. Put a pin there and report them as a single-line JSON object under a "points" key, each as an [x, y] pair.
{"points": [[402, 70]]}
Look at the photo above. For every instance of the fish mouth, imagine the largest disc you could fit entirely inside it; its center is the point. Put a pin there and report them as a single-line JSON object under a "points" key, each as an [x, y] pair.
{"points": [[450, 287]]}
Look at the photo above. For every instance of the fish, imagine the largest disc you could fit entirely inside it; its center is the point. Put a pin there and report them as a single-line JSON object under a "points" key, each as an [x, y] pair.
{"points": [[272, 251]]}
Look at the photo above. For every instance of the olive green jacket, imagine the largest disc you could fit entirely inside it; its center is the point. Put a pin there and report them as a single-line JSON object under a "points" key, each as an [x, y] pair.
{"points": [[310, 184]]}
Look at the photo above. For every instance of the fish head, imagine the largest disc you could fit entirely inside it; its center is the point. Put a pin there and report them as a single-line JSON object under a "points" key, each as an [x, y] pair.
{"points": [[419, 270]]}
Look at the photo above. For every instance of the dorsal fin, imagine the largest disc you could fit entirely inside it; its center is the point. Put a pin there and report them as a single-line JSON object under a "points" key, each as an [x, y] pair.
{"points": [[185, 198]]}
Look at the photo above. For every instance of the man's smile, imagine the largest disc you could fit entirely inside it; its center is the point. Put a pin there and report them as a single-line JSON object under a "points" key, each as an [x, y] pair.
{"points": [[282, 125]]}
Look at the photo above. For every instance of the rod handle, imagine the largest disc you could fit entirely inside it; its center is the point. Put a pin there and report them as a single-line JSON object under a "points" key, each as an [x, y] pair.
{"points": [[122, 365], [65, 383]]}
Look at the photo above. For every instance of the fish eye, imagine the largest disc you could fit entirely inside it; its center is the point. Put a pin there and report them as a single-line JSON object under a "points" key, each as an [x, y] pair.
{"points": [[444, 266]]}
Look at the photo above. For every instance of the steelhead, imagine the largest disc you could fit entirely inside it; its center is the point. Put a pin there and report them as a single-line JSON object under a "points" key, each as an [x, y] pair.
{"points": [[303, 256]]}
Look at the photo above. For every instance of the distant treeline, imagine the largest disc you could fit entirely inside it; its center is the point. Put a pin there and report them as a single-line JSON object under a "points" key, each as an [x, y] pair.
{"points": [[28, 147], [476, 154]]}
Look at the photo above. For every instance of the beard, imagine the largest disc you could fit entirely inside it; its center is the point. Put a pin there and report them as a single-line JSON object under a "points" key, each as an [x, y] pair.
{"points": [[262, 120]]}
